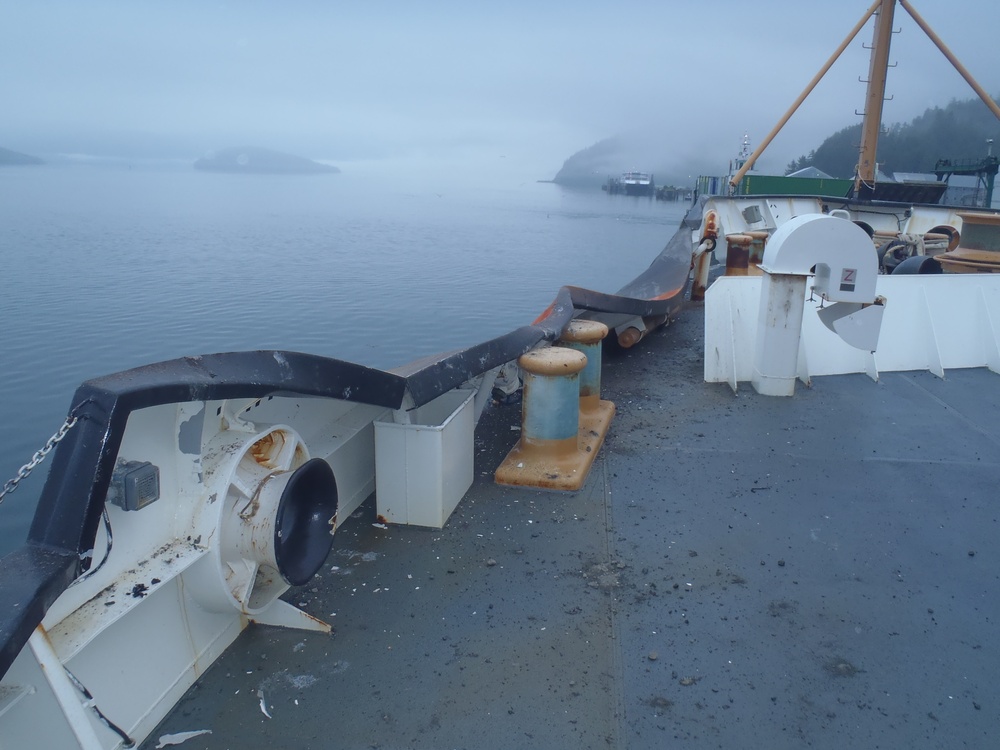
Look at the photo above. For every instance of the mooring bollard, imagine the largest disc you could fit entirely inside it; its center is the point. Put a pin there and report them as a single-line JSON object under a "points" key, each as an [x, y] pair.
{"points": [[557, 445], [595, 415], [586, 336], [550, 412]]}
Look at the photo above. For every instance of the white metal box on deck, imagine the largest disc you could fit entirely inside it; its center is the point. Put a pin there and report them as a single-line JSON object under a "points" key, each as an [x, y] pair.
{"points": [[424, 468]]}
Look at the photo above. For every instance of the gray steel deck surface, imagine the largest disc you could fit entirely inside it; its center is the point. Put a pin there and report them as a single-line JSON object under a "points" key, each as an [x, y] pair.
{"points": [[738, 572]]}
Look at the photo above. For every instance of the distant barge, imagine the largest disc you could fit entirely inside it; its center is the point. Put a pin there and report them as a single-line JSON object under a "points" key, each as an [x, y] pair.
{"points": [[631, 183]]}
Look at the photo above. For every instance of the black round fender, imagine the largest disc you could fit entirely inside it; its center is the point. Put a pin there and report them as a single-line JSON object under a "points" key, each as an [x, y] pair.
{"points": [[918, 264], [302, 529]]}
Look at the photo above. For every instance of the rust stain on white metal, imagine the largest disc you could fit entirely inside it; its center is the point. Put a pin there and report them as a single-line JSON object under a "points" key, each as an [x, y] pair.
{"points": [[268, 448]]}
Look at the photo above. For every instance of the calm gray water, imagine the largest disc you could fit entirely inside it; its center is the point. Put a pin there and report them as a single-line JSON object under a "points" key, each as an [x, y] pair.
{"points": [[110, 267]]}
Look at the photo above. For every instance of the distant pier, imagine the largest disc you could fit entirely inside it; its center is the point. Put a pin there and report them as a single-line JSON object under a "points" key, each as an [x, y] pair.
{"points": [[642, 185]]}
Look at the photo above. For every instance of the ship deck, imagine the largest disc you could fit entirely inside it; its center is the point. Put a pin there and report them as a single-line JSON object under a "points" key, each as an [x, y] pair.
{"points": [[738, 571]]}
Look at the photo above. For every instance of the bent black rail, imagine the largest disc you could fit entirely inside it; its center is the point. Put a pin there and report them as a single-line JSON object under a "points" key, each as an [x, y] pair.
{"points": [[69, 510]]}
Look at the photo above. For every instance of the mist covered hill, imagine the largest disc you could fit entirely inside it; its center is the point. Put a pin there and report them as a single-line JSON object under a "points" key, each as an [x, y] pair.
{"points": [[958, 131], [254, 160], [14, 158], [641, 152]]}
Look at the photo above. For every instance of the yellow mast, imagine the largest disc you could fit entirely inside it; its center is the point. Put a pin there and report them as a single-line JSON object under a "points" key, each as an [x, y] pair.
{"points": [[864, 180], [735, 180], [865, 172], [980, 91]]}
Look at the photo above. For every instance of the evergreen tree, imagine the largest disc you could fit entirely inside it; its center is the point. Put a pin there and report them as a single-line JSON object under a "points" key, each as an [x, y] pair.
{"points": [[958, 131]]}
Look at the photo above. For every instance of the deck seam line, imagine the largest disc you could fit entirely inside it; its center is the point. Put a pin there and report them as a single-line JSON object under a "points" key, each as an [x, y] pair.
{"points": [[617, 658], [948, 407]]}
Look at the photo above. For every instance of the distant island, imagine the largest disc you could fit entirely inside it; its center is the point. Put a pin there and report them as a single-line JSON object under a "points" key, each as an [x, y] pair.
{"points": [[253, 160], [13, 158]]}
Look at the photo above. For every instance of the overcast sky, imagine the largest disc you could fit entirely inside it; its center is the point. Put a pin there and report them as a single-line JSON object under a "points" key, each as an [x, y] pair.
{"points": [[531, 81]]}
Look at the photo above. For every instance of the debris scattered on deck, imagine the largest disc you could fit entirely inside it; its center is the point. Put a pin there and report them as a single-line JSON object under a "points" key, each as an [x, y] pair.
{"points": [[179, 737], [263, 705]]}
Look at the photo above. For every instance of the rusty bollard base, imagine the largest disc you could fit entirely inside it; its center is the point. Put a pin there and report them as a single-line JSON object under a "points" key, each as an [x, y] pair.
{"points": [[564, 467], [594, 425]]}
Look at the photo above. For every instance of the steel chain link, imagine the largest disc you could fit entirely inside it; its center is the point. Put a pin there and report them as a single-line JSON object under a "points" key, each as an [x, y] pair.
{"points": [[39, 456]]}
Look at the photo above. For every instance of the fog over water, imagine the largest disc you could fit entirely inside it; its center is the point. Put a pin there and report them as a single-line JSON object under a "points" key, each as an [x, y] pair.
{"points": [[508, 89]]}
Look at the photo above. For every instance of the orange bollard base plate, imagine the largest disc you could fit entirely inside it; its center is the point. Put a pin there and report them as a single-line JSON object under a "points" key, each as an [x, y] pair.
{"points": [[542, 468]]}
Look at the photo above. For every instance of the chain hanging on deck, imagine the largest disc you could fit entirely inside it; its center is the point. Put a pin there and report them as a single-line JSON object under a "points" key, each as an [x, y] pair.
{"points": [[39, 456]]}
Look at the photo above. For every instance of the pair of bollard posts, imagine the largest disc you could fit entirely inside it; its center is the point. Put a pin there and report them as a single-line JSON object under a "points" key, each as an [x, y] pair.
{"points": [[563, 419]]}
